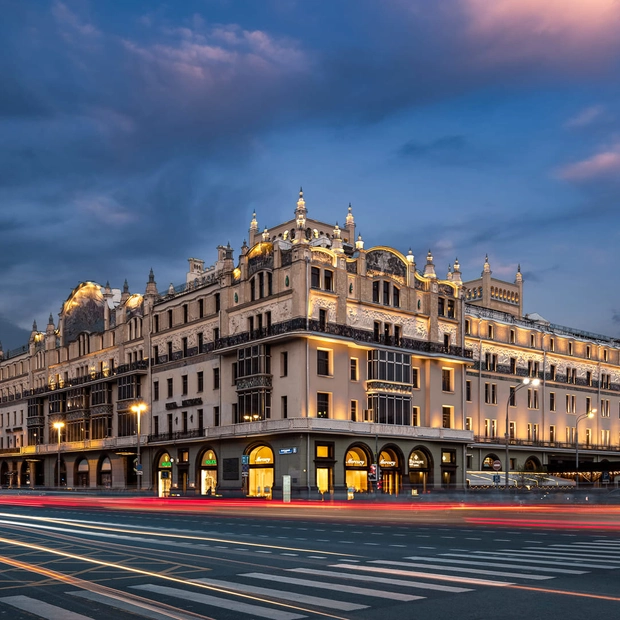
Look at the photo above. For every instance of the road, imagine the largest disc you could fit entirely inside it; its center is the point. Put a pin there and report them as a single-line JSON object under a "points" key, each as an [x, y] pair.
{"points": [[77, 560]]}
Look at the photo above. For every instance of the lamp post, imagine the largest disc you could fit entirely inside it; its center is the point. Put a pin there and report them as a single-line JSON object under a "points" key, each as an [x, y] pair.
{"points": [[526, 381], [588, 414], [58, 426], [138, 408]]}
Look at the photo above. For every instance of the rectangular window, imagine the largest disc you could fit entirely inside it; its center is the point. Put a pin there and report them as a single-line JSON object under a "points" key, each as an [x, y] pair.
{"points": [[551, 401], [322, 319], [605, 437], [512, 398], [354, 369], [216, 378], [322, 405], [490, 393], [604, 408], [467, 327], [552, 345], [552, 372], [396, 297], [315, 277], [468, 391], [532, 399], [513, 365], [552, 433], [588, 351], [446, 416], [512, 432], [201, 308], [386, 293], [491, 331], [284, 406], [322, 363], [200, 381], [415, 378], [170, 318], [353, 411], [375, 292], [588, 377], [156, 323], [328, 280], [513, 336], [284, 364], [170, 388], [155, 390], [216, 416], [446, 379], [185, 313], [217, 302], [184, 385], [490, 361], [450, 308], [469, 424], [415, 416], [570, 348], [441, 306], [532, 340]]}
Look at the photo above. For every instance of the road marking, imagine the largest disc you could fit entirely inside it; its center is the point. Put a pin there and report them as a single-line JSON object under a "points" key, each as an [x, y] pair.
{"points": [[214, 601], [517, 556], [397, 596], [425, 575], [285, 595], [42, 609], [374, 579], [501, 565], [141, 609], [462, 568]]}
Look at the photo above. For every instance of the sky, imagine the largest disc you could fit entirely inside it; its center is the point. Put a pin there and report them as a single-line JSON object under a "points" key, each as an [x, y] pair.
{"points": [[135, 134]]}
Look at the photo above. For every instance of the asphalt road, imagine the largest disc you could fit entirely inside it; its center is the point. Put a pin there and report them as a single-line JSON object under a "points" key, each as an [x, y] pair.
{"points": [[237, 560]]}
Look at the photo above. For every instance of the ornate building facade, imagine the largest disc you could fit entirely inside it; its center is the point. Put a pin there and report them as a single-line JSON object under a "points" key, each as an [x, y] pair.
{"points": [[308, 362]]}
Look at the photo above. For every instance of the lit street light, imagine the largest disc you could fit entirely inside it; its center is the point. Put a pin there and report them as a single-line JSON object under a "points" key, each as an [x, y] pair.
{"points": [[589, 414], [526, 381], [58, 426], [138, 408]]}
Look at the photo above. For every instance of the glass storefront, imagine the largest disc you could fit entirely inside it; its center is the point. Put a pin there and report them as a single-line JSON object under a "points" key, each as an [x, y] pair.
{"points": [[419, 471], [208, 473], [391, 477], [164, 475], [261, 472], [356, 470]]}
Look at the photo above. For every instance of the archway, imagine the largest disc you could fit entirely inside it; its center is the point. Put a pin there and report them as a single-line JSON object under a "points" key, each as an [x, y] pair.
{"points": [[164, 474], [82, 474], [104, 473], [487, 463], [207, 472], [390, 463], [420, 469], [356, 468], [260, 472]]}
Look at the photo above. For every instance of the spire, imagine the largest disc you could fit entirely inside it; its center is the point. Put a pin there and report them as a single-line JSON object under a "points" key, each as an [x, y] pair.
{"points": [[456, 272], [34, 326], [125, 293], [301, 211], [487, 267], [125, 286], [449, 274], [410, 257], [151, 285], [50, 321], [349, 221], [429, 268], [519, 276], [254, 223]]}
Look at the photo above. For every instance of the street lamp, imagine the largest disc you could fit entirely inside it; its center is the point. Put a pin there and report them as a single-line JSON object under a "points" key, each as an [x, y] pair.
{"points": [[526, 381], [58, 426], [138, 408], [589, 414]]}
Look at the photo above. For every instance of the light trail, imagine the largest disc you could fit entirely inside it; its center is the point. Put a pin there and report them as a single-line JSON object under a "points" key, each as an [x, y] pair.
{"points": [[139, 601], [170, 578], [87, 526]]}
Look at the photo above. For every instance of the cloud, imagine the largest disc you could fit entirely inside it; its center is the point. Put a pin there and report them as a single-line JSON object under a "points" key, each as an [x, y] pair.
{"points": [[573, 34], [586, 117], [603, 165]]}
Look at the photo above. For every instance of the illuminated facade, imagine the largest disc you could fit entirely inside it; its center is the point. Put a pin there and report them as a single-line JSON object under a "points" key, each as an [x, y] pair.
{"points": [[307, 360]]}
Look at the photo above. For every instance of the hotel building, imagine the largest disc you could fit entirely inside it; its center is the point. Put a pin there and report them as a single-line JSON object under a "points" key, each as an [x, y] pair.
{"points": [[308, 362]]}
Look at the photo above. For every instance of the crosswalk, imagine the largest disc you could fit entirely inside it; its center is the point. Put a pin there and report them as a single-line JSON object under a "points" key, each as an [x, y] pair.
{"points": [[339, 586]]}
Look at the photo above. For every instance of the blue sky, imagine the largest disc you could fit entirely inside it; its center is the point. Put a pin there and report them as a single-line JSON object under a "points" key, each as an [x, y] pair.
{"points": [[138, 134]]}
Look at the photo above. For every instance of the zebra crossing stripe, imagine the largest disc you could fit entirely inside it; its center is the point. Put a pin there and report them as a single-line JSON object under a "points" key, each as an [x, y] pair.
{"points": [[478, 571], [143, 609], [41, 608], [285, 595], [425, 575], [544, 569], [374, 579], [396, 596], [253, 611], [567, 557], [517, 556]]}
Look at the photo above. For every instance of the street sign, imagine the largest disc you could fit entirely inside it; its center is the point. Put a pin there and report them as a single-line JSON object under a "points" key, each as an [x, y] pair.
{"points": [[288, 450], [245, 459], [606, 478], [495, 478], [139, 473], [497, 465]]}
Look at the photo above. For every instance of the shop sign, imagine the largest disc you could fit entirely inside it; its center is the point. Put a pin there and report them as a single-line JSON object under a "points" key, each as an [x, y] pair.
{"points": [[288, 450], [190, 402], [263, 459], [165, 464], [210, 462], [416, 462], [351, 462], [385, 463]]}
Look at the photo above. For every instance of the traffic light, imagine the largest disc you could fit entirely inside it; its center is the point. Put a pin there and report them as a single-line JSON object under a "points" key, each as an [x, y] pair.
{"points": [[372, 473]]}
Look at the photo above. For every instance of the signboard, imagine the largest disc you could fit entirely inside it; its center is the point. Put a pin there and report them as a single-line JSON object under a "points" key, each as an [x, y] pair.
{"points": [[286, 489], [139, 473], [245, 459], [605, 477], [288, 450], [495, 478], [497, 465]]}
